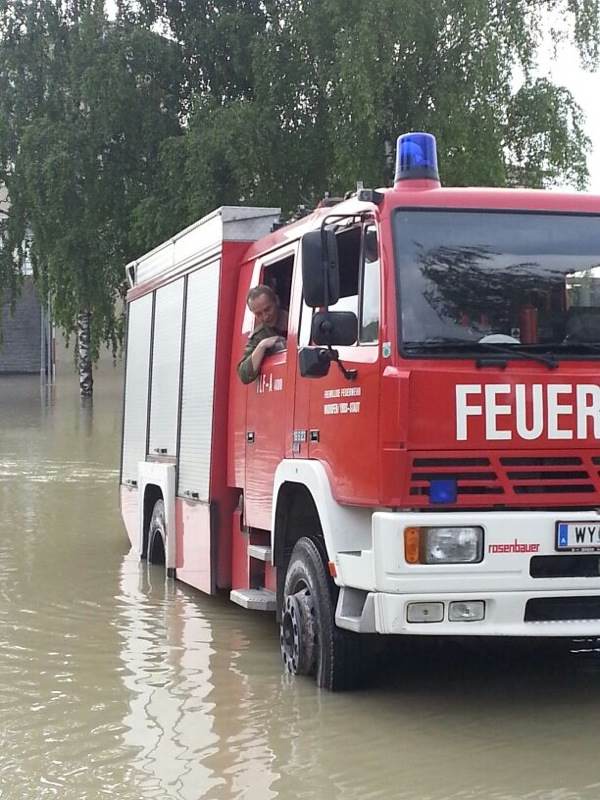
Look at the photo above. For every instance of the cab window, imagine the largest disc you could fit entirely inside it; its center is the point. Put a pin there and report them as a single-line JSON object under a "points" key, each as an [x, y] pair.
{"points": [[358, 254]]}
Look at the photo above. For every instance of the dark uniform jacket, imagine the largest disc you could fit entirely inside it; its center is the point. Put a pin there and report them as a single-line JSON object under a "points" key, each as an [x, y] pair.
{"points": [[244, 368]]}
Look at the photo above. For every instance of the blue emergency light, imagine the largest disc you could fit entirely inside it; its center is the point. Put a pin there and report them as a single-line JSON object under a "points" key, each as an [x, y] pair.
{"points": [[442, 490], [416, 157]]}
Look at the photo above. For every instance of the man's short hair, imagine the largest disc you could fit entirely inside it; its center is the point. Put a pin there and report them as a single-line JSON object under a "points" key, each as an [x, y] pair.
{"points": [[256, 291]]}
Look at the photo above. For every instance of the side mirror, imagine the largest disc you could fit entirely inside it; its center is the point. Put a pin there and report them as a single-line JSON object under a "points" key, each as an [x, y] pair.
{"points": [[334, 327], [320, 268], [313, 363]]}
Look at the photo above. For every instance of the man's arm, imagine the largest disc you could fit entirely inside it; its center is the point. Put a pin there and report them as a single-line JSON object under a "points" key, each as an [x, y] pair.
{"points": [[255, 351]]}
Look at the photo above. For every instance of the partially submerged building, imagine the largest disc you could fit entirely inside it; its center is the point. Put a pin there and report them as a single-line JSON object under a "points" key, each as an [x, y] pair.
{"points": [[27, 337]]}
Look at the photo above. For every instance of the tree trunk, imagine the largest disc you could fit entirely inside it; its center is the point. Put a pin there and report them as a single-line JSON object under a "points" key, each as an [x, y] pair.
{"points": [[86, 380]]}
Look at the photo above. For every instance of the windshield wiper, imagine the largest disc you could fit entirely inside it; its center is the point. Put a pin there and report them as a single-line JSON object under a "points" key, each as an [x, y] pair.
{"points": [[509, 351], [574, 345]]}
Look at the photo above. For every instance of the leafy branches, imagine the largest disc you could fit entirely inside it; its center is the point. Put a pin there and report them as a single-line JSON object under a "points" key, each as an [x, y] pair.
{"points": [[85, 103], [115, 133]]}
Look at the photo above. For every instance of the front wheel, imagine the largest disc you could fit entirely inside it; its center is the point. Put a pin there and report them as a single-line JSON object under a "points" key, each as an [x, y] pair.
{"points": [[311, 643]]}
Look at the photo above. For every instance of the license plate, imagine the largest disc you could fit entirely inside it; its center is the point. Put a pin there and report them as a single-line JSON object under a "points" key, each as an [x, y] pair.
{"points": [[575, 536]]}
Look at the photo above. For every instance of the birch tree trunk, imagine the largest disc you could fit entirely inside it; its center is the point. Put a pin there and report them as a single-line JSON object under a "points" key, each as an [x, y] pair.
{"points": [[86, 380]]}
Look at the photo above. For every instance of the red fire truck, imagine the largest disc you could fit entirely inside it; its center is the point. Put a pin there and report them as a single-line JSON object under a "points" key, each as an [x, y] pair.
{"points": [[423, 456]]}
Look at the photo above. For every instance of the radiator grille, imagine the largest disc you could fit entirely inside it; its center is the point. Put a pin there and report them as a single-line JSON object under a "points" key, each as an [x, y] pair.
{"points": [[524, 479], [565, 566], [560, 609]]}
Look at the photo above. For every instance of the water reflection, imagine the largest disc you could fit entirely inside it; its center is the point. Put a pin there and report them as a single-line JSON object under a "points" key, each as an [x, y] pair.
{"points": [[212, 716], [197, 725], [166, 651], [115, 683]]}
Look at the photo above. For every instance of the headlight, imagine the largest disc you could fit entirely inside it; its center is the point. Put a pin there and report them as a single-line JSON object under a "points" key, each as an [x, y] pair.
{"points": [[448, 545]]}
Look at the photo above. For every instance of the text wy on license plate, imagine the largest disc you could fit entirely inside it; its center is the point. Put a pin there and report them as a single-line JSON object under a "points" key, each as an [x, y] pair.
{"points": [[577, 536]]}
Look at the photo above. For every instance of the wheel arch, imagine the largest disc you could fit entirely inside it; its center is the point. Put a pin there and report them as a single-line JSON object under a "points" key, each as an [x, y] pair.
{"points": [[295, 515], [156, 481], [152, 493], [306, 483]]}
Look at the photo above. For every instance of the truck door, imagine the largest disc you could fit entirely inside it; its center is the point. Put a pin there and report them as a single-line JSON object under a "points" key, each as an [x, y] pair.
{"points": [[269, 399], [343, 423]]}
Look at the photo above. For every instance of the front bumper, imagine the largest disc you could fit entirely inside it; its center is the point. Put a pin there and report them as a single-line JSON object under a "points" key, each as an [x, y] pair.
{"points": [[377, 586], [504, 616]]}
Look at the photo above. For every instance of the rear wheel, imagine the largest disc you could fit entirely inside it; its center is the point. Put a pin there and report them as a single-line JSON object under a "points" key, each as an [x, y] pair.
{"points": [[311, 643], [157, 534]]}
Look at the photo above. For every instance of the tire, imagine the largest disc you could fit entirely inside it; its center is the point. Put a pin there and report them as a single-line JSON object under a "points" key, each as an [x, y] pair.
{"points": [[157, 548], [311, 643]]}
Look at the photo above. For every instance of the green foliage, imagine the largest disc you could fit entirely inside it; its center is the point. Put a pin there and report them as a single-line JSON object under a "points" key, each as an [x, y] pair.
{"points": [[314, 93], [85, 104], [548, 141], [115, 134]]}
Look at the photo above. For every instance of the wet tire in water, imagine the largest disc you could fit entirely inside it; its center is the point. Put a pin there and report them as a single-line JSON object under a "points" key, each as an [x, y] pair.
{"points": [[311, 643], [157, 534]]}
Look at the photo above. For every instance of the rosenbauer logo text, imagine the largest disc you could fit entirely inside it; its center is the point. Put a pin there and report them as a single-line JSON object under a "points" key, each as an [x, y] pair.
{"points": [[514, 547], [528, 411]]}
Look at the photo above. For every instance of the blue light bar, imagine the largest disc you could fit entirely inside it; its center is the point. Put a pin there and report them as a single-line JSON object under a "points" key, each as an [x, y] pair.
{"points": [[442, 490], [416, 157]]}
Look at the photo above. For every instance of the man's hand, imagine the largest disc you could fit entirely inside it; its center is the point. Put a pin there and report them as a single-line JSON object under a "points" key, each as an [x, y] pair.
{"points": [[261, 351], [270, 341]]}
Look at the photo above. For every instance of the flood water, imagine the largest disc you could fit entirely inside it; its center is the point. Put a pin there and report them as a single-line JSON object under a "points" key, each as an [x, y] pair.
{"points": [[115, 683]]}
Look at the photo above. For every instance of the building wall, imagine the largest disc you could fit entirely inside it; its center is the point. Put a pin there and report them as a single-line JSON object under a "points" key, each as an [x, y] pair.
{"points": [[20, 348]]}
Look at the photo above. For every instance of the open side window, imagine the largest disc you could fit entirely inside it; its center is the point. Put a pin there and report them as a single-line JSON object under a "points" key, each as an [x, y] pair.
{"points": [[278, 275]]}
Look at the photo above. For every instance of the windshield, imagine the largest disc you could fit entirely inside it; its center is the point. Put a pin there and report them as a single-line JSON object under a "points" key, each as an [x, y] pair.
{"points": [[522, 281]]}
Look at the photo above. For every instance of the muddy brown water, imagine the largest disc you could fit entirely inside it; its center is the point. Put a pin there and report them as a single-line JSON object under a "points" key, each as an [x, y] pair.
{"points": [[115, 683]]}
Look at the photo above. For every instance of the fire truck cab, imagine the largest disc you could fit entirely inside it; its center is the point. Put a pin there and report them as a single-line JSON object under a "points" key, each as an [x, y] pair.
{"points": [[422, 456]]}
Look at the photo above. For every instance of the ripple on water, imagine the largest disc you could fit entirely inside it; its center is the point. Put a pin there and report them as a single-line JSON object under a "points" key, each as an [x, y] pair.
{"points": [[46, 471], [117, 684]]}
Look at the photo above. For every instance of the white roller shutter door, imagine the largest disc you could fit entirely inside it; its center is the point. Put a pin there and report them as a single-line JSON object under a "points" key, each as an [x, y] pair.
{"points": [[198, 382], [164, 396], [135, 422]]}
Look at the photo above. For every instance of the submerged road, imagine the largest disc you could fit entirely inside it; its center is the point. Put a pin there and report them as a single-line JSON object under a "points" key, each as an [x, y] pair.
{"points": [[115, 683]]}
